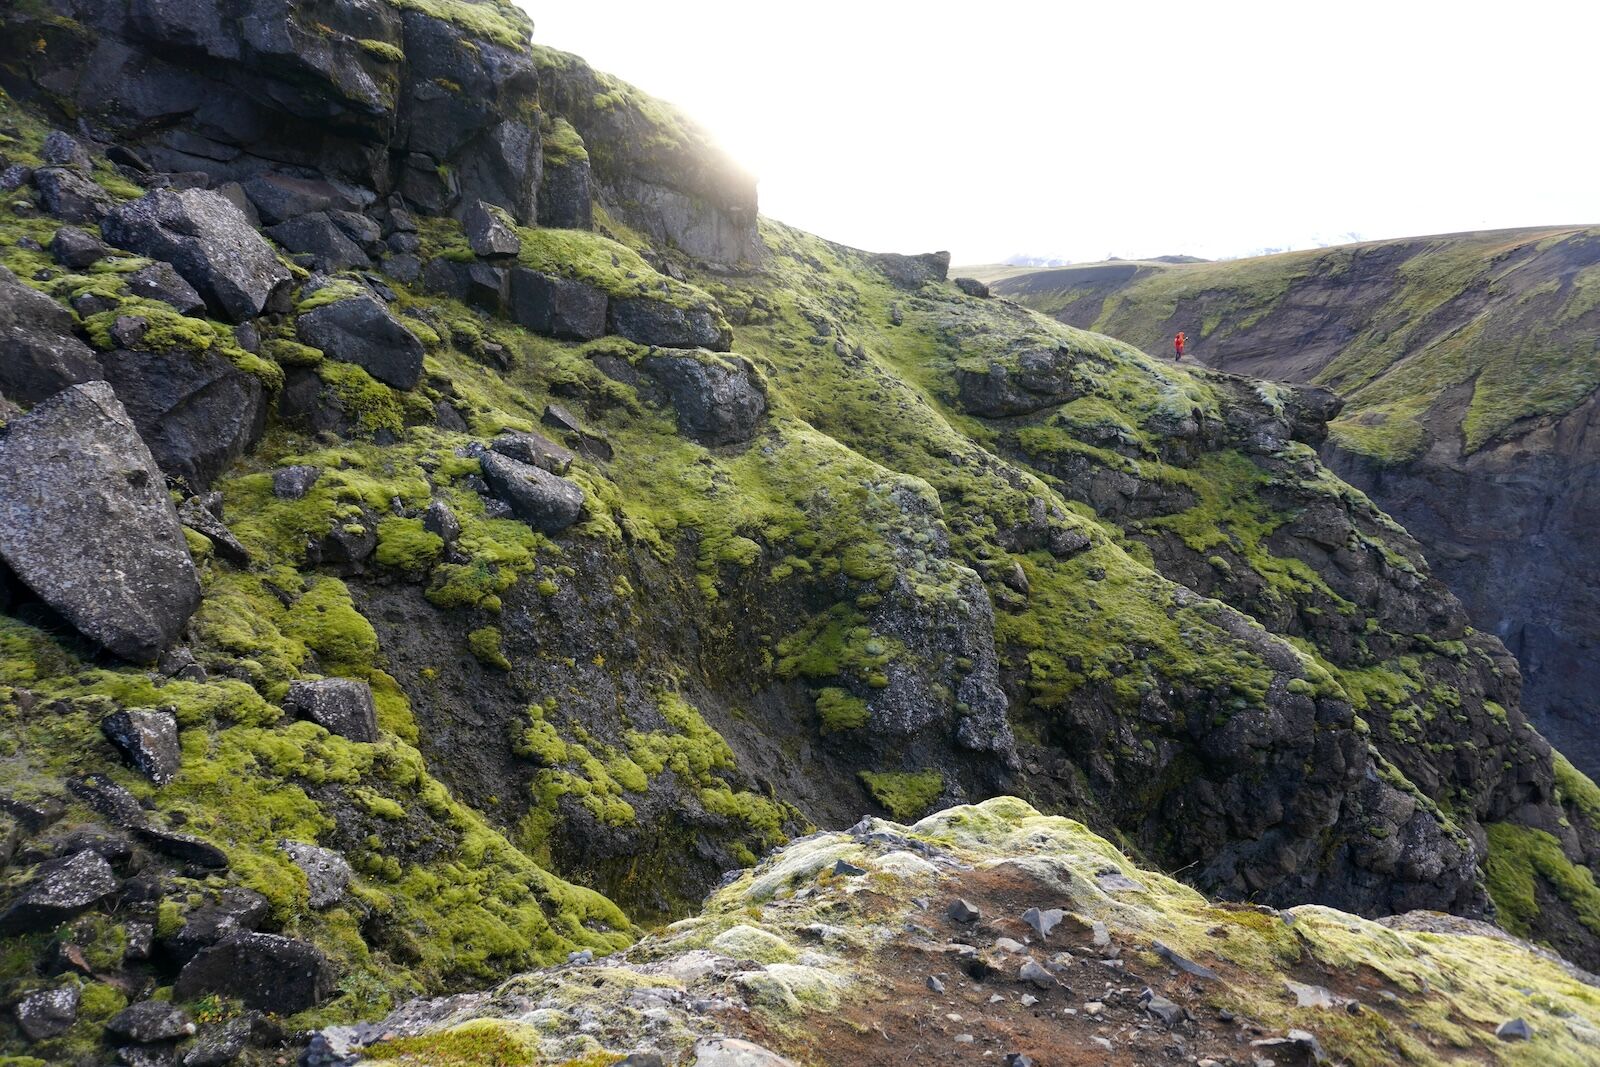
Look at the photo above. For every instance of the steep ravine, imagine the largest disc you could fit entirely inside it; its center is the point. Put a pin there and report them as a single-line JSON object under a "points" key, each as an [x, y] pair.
{"points": [[1469, 364], [446, 529]]}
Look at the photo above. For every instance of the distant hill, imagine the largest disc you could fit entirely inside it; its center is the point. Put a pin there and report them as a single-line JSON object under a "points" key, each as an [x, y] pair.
{"points": [[1469, 364]]}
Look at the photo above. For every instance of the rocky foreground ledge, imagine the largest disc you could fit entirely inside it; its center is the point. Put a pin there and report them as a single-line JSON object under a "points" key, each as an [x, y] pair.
{"points": [[993, 934]]}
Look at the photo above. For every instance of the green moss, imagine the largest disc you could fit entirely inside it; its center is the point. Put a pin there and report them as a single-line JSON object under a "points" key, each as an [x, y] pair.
{"points": [[483, 1043], [906, 795], [1520, 854], [841, 710], [383, 50], [485, 645], [405, 545], [562, 143]]}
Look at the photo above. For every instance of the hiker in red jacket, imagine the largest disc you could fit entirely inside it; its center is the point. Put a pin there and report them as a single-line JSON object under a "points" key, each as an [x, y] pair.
{"points": [[1177, 345]]}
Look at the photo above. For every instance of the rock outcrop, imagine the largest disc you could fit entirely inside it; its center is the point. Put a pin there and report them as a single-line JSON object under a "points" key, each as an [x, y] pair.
{"points": [[39, 354]]}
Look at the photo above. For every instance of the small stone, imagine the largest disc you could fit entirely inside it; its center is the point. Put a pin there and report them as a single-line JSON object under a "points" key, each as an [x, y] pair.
{"points": [[138, 940], [1102, 938], [75, 249], [641, 1059], [1166, 1010], [489, 234], [342, 706], [1031, 971], [1028, 1000], [149, 1021], [327, 873], [1006, 944], [1184, 964], [846, 869], [184, 847], [964, 1039], [442, 522], [1102, 1043], [962, 912], [292, 483], [47, 1013], [1017, 1059], [1043, 922], [935, 984], [1514, 1030]]}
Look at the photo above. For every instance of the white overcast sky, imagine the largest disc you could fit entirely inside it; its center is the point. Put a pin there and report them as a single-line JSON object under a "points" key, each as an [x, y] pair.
{"points": [[1133, 129]]}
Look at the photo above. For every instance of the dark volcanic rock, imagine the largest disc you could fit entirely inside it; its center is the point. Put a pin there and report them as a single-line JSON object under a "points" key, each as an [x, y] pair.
{"points": [[541, 499], [342, 706], [85, 522], [39, 356], [487, 233], [184, 847], [556, 307], [655, 322], [48, 1012], [209, 241], [972, 287], [61, 149], [69, 196], [360, 330], [58, 891], [150, 1021], [196, 411], [535, 449], [238, 911], [1018, 385], [109, 799], [75, 249], [292, 483], [197, 517], [147, 739], [565, 199], [317, 235], [160, 282], [327, 873], [265, 971], [718, 401], [278, 198]]}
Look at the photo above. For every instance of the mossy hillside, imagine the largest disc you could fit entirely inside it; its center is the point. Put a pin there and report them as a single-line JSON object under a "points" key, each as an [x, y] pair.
{"points": [[499, 21], [1507, 315]]}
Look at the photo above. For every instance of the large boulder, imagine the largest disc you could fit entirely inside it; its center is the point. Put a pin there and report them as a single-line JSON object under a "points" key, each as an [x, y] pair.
{"points": [[39, 356], [210, 242], [280, 197], [656, 322], [85, 523], [562, 308], [58, 891], [489, 235], [718, 401], [912, 272], [360, 330], [544, 501], [69, 196], [342, 706], [47, 1012], [265, 971], [536, 449], [196, 411]]}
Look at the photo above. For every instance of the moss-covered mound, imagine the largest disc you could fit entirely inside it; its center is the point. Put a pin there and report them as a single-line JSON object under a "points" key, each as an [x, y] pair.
{"points": [[844, 946]]}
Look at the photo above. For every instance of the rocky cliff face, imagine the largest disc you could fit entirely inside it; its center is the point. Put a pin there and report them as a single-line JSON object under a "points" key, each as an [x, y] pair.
{"points": [[562, 543], [1467, 366]]}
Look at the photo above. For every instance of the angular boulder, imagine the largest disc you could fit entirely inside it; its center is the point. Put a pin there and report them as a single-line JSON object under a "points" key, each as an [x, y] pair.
{"points": [[61, 889], [489, 235], [160, 282], [149, 1021], [562, 308], [196, 411], [912, 272], [85, 523], [656, 322], [185, 848], [237, 911], [327, 873], [280, 197], [39, 356], [547, 503], [718, 401], [341, 706], [209, 241], [320, 237], [972, 287], [69, 196], [148, 741], [360, 330], [47, 1013], [197, 517], [535, 449], [75, 249], [267, 972]]}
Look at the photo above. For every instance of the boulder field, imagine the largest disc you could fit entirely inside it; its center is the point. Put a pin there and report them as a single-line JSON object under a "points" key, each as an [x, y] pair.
{"points": [[444, 531]]}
